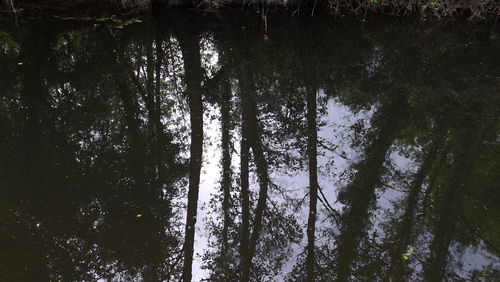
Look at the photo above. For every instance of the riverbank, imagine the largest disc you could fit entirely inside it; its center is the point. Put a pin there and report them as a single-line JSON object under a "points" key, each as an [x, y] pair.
{"points": [[479, 10]]}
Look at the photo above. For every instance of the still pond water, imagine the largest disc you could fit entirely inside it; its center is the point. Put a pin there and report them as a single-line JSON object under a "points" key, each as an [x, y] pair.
{"points": [[104, 125]]}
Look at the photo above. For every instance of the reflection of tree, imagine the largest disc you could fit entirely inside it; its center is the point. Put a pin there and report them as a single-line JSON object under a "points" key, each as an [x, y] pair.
{"points": [[447, 200], [193, 77], [226, 181], [359, 195], [251, 124], [405, 228], [427, 111], [259, 232], [91, 150], [309, 74], [33, 96], [96, 206], [312, 137]]}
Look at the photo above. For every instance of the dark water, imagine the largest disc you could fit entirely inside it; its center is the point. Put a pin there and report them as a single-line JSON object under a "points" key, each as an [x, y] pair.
{"points": [[105, 124]]}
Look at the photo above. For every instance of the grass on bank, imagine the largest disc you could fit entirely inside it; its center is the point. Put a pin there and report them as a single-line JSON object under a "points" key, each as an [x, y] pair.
{"points": [[474, 9]]}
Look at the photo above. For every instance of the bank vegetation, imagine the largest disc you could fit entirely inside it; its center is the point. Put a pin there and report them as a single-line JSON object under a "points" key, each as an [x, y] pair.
{"points": [[468, 9]]}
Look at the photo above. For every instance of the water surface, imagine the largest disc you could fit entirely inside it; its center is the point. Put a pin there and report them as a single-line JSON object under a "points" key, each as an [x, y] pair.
{"points": [[397, 124]]}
